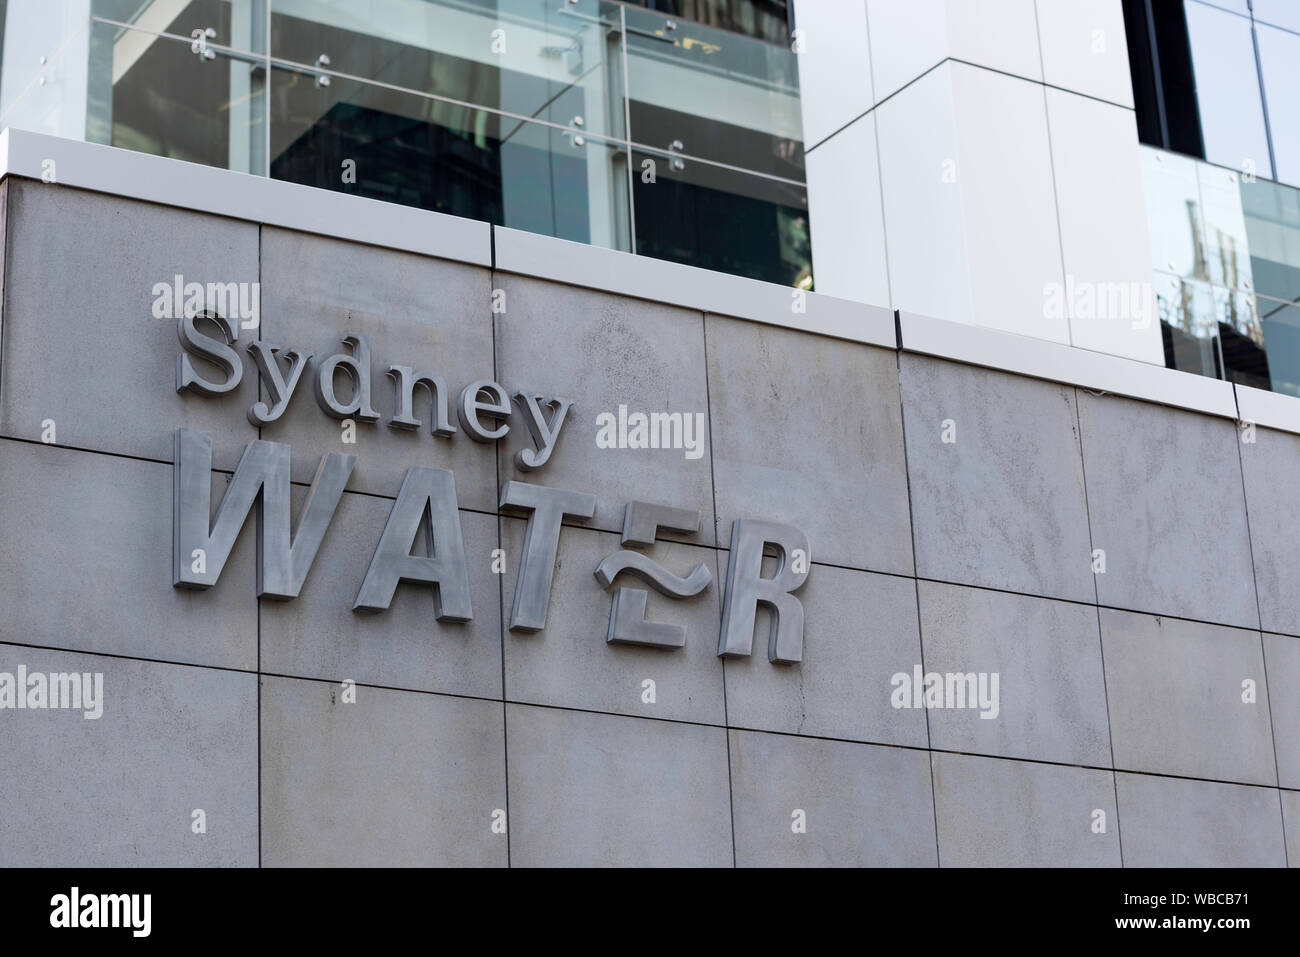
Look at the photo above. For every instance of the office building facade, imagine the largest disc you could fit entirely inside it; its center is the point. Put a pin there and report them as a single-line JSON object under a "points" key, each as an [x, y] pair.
{"points": [[396, 471]]}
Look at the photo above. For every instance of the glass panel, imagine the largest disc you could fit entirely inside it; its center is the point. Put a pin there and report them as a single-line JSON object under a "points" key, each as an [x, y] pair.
{"points": [[767, 20], [401, 147], [1241, 337], [1236, 6], [1272, 215], [566, 185], [1279, 59], [1226, 246], [703, 215], [155, 95], [1173, 196], [43, 66], [551, 60], [1281, 13], [1281, 321], [713, 94], [1227, 89], [1188, 324], [240, 24]]}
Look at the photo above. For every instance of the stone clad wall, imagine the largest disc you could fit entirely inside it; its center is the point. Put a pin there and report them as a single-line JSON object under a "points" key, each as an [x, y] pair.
{"points": [[1120, 692]]}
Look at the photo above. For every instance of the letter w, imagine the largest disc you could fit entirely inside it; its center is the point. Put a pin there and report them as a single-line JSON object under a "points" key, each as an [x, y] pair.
{"points": [[200, 549]]}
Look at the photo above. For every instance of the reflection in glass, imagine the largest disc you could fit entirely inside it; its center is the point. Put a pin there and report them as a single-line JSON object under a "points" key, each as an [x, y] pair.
{"points": [[703, 215], [1227, 89], [1272, 214], [1173, 197], [1280, 13], [1188, 325], [240, 24], [1227, 255], [713, 94], [515, 112], [43, 67], [1244, 325], [1279, 62], [1281, 321], [761, 19], [418, 151], [154, 95], [1241, 337], [554, 61]]}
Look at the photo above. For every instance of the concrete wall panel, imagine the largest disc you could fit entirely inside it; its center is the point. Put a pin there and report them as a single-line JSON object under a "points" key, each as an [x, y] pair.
{"points": [[602, 352], [798, 429], [1171, 822], [863, 806], [569, 663], [86, 562], [597, 790], [1051, 693], [859, 631], [808, 432], [1268, 466], [1177, 701], [81, 344], [1166, 504], [995, 813], [121, 790], [395, 779], [1002, 504]]}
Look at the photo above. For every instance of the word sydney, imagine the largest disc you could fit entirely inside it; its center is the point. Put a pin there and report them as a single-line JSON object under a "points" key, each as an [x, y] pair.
{"points": [[482, 408]]}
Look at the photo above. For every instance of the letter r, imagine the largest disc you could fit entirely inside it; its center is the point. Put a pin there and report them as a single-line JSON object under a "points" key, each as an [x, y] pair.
{"points": [[747, 588]]}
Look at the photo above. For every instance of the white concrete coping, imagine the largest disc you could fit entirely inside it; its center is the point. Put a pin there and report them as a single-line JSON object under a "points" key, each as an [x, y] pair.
{"points": [[1270, 409], [1071, 365], [170, 182], [643, 277]]}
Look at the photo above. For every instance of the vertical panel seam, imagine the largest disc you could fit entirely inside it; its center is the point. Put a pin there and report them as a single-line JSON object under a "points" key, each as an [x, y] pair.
{"points": [[1263, 654], [713, 489], [1101, 644], [916, 591]]}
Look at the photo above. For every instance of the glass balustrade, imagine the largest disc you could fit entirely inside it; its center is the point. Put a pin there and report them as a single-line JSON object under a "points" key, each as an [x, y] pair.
{"points": [[596, 121], [1226, 253]]}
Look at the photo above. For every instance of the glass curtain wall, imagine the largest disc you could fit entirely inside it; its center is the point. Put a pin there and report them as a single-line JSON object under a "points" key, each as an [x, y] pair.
{"points": [[1226, 251], [1216, 79], [595, 121]]}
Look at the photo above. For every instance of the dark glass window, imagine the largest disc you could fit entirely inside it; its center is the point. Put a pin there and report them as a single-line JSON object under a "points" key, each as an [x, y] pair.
{"points": [[1164, 85], [761, 19]]}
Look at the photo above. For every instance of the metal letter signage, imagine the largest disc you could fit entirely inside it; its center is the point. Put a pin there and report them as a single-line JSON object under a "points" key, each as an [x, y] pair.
{"points": [[200, 551], [358, 367], [425, 494], [497, 407], [627, 621], [426, 501], [405, 380], [281, 388], [546, 508], [544, 435], [746, 587], [216, 351]]}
